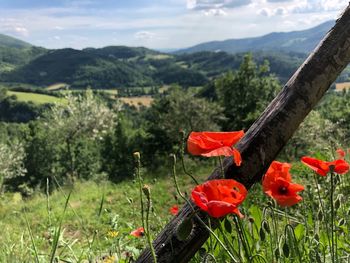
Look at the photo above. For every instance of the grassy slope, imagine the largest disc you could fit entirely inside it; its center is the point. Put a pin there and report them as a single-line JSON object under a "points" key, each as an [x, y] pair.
{"points": [[35, 97], [82, 220]]}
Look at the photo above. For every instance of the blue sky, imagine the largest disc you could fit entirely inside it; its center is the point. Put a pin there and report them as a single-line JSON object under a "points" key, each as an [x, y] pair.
{"points": [[158, 24]]}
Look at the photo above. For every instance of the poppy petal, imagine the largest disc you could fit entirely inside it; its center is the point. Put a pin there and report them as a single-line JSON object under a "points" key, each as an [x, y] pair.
{"points": [[319, 166], [219, 208], [237, 157], [223, 151], [219, 197], [340, 166], [341, 153]]}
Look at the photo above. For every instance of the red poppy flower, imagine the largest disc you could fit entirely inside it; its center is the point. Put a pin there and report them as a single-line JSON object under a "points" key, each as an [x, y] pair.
{"points": [[140, 232], [277, 184], [341, 153], [174, 210], [210, 144], [322, 167], [219, 197]]}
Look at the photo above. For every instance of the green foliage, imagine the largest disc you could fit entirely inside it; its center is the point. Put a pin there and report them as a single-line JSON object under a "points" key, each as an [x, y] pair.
{"points": [[178, 110], [65, 143], [336, 108], [11, 164], [117, 151], [245, 93], [12, 110], [315, 134]]}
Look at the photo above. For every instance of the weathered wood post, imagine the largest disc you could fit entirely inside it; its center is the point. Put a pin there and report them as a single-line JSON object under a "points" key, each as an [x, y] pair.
{"points": [[267, 136]]}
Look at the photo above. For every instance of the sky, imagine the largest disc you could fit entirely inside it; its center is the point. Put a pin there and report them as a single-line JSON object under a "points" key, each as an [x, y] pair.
{"points": [[157, 24]]}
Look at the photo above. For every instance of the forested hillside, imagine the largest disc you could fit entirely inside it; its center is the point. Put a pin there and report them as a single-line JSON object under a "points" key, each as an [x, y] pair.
{"points": [[117, 67]]}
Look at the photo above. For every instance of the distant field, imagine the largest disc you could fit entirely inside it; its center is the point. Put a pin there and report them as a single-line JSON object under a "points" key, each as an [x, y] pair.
{"points": [[36, 98], [57, 86], [109, 91], [137, 101]]}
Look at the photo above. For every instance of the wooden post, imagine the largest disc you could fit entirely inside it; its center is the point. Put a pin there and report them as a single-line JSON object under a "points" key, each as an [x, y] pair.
{"points": [[267, 136]]}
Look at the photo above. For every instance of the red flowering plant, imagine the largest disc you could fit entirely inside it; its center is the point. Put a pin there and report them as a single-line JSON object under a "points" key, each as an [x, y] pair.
{"points": [[219, 197], [210, 144], [277, 183], [174, 210], [139, 232], [340, 166]]}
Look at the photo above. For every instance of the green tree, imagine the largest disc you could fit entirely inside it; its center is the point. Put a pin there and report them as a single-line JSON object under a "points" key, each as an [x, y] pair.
{"points": [[336, 108], [117, 150], [245, 93], [11, 164], [65, 142], [178, 110], [315, 134], [83, 116]]}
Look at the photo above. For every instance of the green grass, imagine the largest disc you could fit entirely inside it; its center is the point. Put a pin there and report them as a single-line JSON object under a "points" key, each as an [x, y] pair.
{"points": [[84, 220], [295, 234], [36, 98]]}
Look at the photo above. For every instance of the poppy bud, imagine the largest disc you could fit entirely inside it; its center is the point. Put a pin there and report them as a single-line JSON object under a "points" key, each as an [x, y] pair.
{"points": [[266, 226], [262, 234], [318, 257], [285, 249], [317, 237], [146, 189], [173, 158], [182, 134], [137, 156], [320, 215], [277, 253], [337, 204]]}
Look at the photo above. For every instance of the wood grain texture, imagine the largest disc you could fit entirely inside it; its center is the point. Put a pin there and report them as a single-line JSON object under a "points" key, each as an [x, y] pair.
{"points": [[267, 136]]}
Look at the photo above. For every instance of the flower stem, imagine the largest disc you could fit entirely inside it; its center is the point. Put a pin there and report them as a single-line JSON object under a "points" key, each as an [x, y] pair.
{"points": [[221, 167], [323, 211], [173, 157], [147, 192], [332, 217]]}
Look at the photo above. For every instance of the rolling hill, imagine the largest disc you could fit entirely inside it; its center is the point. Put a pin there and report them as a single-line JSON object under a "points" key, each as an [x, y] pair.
{"points": [[302, 41], [15, 52], [114, 67], [8, 41]]}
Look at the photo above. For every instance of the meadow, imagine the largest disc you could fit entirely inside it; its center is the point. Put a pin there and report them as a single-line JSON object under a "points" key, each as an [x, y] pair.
{"points": [[94, 221], [73, 191], [36, 98]]}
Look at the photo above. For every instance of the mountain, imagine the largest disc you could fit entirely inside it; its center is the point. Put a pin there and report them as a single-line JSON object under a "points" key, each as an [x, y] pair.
{"points": [[121, 67], [15, 52], [303, 41], [109, 67], [7, 41]]}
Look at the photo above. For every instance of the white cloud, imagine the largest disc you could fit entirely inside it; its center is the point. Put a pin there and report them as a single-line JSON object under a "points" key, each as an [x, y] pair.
{"points": [[268, 12], [144, 35], [13, 26], [58, 28], [215, 12], [265, 12], [280, 11], [313, 6], [216, 4]]}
